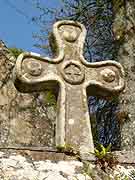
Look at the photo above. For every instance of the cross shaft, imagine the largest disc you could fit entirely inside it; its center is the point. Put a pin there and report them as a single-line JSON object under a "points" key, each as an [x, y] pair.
{"points": [[73, 78]]}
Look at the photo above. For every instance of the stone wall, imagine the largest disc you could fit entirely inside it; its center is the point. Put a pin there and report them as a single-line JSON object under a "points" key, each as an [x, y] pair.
{"points": [[28, 121], [124, 31], [17, 165], [25, 119]]}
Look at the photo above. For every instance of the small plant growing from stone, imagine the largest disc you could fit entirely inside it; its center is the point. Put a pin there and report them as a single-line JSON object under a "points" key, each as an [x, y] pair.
{"points": [[15, 51], [102, 151], [104, 157], [50, 98], [68, 149]]}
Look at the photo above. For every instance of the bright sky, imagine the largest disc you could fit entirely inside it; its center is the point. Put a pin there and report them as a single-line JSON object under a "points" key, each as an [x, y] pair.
{"points": [[15, 27]]}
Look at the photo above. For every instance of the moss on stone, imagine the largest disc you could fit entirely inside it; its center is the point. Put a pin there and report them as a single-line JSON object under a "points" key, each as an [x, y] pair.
{"points": [[50, 98], [15, 51]]}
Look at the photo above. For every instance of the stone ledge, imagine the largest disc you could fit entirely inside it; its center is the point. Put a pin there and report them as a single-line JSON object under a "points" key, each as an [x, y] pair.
{"points": [[123, 157], [46, 153]]}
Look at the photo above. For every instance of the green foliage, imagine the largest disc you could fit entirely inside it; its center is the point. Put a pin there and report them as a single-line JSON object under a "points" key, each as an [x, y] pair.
{"points": [[119, 24], [65, 147], [118, 4], [101, 152], [60, 148], [121, 177], [15, 51], [105, 158], [68, 149], [50, 98], [88, 170], [95, 173]]}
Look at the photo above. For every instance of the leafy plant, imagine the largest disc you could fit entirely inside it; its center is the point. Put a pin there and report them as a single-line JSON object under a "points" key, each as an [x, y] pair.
{"points": [[104, 157], [102, 151]]}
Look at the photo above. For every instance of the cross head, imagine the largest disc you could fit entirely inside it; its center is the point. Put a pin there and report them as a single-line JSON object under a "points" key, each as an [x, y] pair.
{"points": [[73, 78]]}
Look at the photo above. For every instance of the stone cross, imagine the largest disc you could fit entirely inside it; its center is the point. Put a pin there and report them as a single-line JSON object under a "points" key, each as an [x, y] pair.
{"points": [[73, 78]]}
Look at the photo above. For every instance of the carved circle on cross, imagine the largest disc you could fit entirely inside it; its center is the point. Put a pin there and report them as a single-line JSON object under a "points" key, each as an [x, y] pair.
{"points": [[69, 32], [70, 36], [108, 75], [72, 72], [34, 68]]}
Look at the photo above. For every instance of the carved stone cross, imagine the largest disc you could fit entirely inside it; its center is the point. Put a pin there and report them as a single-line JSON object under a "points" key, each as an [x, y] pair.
{"points": [[73, 78]]}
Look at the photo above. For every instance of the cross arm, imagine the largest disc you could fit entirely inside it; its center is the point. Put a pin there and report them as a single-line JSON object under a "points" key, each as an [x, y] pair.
{"points": [[104, 78], [35, 73]]}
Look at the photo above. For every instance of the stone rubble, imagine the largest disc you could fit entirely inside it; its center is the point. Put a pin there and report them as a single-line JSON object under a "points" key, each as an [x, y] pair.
{"points": [[17, 167], [14, 166]]}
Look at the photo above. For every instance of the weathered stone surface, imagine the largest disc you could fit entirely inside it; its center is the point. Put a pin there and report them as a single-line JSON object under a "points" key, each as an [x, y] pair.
{"points": [[26, 165], [124, 31], [70, 76], [15, 166], [125, 157], [25, 119]]}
